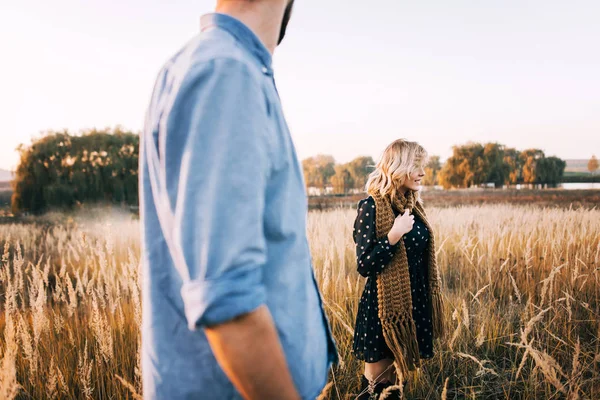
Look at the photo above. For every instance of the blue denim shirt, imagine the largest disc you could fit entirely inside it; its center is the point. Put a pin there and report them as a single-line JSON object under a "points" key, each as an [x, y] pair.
{"points": [[223, 211]]}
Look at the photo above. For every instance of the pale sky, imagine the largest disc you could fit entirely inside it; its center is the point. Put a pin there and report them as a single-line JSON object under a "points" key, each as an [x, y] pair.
{"points": [[353, 74]]}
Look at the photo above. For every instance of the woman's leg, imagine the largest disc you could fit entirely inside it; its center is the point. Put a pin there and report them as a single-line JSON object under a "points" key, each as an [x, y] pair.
{"points": [[378, 376], [380, 371]]}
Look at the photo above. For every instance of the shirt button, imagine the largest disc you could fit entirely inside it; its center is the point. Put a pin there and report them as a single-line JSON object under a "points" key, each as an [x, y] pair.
{"points": [[265, 70]]}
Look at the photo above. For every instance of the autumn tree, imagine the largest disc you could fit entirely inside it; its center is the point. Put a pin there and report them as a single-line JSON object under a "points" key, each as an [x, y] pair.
{"points": [[448, 176], [359, 169], [530, 158], [466, 167], [593, 165], [343, 179], [318, 170], [432, 169], [514, 164]]}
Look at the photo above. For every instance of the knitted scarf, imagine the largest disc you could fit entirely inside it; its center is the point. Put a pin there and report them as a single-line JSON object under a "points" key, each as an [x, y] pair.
{"points": [[393, 286]]}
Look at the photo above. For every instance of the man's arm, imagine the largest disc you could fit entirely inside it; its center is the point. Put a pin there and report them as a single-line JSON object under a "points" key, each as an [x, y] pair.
{"points": [[248, 350], [219, 225]]}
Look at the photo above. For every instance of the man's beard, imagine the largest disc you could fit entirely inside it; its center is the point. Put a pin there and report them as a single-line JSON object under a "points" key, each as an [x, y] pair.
{"points": [[286, 19]]}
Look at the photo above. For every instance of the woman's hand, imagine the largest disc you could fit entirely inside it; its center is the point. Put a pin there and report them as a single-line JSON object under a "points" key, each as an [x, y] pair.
{"points": [[402, 225]]}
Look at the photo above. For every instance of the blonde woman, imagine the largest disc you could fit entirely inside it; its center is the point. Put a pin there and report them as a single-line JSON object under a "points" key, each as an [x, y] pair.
{"points": [[399, 313]]}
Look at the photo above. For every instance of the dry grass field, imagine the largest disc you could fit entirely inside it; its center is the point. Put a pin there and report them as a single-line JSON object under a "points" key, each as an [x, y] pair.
{"points": [[521, 285]]}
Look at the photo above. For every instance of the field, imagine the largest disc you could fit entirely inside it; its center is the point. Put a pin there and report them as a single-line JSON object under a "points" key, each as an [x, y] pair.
{"points": [[555, 198], [521, 285]]}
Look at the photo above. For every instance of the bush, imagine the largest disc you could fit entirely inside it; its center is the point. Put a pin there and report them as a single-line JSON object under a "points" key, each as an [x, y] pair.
{"points": [[60, 170]]}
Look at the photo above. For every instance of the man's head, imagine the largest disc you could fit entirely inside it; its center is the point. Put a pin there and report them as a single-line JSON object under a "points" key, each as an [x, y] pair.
{"points": [[286, 19]]}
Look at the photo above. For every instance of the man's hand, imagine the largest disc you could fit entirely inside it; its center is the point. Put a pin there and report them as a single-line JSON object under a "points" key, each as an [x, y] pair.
{"points": [[248, 350]]}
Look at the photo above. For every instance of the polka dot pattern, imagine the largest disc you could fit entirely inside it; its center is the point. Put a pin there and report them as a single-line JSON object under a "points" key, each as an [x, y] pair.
{"points": [[373, 255]]}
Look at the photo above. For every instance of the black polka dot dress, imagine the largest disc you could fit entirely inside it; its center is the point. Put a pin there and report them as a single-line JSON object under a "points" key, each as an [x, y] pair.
{"points": [[373, 255]]}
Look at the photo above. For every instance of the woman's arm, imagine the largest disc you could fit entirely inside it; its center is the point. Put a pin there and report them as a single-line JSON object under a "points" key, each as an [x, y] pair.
{"points": [[372, 253]]}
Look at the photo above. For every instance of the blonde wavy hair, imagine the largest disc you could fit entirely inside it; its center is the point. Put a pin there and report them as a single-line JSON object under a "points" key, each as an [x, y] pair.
{"points": [[400, 159]]}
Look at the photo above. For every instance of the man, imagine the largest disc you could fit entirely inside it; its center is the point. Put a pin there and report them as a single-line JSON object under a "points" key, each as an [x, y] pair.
{"points": [[230, 304]]}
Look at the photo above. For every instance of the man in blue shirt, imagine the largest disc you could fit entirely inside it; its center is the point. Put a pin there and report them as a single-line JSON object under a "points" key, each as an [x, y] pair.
{"points": [[230, 304]]}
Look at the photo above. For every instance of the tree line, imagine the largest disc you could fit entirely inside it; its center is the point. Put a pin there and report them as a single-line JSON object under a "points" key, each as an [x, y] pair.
{"points": [[321, 171], [471, 165], [60, 170], [475, 164]]}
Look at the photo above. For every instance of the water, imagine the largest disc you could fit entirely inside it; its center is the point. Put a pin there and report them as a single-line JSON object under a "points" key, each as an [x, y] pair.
{"points": [[578, 186], [566, 186]]}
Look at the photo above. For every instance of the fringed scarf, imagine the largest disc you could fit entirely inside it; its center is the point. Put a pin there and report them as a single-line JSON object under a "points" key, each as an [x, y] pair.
{"points": [[393, 286]]}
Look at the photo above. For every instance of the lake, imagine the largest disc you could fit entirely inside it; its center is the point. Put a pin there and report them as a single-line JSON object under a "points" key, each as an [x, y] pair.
{"points": [[579, 185]]}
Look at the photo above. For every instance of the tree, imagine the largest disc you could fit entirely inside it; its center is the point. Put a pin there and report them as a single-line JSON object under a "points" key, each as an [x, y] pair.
{"points": [[61, 170], [318, 170], [342, 180], [593, 165], [360, 168], [326, 165], [449, 177], [514, 166], [530, 159], [497, 169], [539, 169], [473, 164], [466, 167], [432, 169], [550, 170]]}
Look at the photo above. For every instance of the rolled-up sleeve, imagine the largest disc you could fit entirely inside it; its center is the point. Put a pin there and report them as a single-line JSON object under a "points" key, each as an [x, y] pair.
{"points": [[221, 192]]}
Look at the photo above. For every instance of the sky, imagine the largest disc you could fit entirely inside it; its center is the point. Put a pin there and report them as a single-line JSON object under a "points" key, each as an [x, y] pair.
{"points": [[353, 75]]}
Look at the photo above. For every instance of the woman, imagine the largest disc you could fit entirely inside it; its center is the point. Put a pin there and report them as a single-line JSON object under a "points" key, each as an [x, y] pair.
{"points": [[399, 313]]}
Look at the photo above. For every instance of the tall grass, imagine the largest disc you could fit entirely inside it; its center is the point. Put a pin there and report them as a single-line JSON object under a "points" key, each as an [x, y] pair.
{"points": [[521, 287], [71, 310]]}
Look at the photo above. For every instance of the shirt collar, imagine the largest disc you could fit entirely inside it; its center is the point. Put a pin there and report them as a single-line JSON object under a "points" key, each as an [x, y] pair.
{"points": [[242, 34]]}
